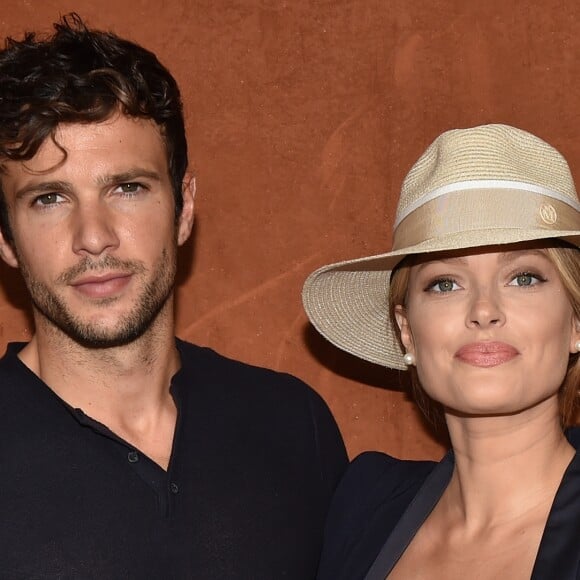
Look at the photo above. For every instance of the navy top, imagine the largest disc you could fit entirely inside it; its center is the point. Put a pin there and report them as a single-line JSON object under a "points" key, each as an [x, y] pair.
{"points": [[255, 459], [382, 502]]}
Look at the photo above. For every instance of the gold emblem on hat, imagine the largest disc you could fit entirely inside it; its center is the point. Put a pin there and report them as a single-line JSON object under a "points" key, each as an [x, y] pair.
{"points": [[548, 213]]}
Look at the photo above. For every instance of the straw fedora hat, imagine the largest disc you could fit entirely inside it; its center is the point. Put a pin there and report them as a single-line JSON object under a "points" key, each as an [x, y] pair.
{"points": [[481, 186]]}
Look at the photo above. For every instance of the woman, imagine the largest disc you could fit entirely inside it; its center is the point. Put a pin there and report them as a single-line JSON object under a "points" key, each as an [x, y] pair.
{"points": [[483, 289]]}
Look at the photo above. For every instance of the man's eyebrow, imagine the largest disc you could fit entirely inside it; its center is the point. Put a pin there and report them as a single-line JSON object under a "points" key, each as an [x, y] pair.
{"points": [[43, 187], [103, 181], [129, 175]]}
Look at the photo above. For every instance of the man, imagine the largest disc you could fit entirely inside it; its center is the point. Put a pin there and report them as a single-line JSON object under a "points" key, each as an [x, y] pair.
{"points": [[124, 452]]}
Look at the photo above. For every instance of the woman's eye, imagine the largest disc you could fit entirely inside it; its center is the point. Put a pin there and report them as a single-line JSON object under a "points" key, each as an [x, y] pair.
{"points": [[526, 279], [442, 285]]}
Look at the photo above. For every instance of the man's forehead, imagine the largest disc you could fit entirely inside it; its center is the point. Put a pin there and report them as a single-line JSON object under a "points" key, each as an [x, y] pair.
{"points": [[127, 135]]}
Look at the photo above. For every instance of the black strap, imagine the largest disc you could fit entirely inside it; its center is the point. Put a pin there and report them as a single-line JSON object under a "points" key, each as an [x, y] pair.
{"points": [[421, 506]]}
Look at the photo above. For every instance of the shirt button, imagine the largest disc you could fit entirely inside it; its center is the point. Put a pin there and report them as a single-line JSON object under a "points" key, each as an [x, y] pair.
{"points": [[133, 456], [174, 487]]}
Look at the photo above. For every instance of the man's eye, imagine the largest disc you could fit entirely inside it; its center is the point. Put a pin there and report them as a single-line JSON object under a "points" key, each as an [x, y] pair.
{"points": [[130, 188], [48, 199], [442, 285]]}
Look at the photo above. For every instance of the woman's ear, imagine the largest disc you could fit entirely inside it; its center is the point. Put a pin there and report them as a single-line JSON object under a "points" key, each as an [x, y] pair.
{"points": [[575, 336], [188, 189], [403, 324]]}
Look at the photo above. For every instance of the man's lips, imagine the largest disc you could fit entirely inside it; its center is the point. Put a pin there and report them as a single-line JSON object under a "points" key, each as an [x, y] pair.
{"points": [[102, 286], [486, 354]]}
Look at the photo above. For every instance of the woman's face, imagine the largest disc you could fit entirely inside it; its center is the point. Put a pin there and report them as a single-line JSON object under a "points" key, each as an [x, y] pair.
{"points": [[491, 331]]}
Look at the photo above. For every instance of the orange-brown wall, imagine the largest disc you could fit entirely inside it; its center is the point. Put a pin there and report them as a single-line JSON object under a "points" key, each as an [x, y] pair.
{"points": [[303, 117]]}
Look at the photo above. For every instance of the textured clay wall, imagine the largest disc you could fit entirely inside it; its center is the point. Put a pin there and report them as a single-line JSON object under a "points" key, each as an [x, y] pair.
{"points": [[303, 117]]}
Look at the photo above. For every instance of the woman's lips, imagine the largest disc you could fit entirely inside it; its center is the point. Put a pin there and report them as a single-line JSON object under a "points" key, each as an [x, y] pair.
{"points": [[102, 286], [486, 354]]}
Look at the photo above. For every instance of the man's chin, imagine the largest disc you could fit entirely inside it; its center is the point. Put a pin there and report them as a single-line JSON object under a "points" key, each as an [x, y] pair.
{"points": [[102, 327], [92, 335], [98, 342]]}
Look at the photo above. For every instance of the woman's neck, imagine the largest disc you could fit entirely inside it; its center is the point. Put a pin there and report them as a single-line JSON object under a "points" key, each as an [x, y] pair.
{"points": [[505, 466]]}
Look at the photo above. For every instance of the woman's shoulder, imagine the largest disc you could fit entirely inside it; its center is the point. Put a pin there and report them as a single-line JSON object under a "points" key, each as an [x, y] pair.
{"points": [[573, 434], [369, 501], [374, 479], [370, 465]]}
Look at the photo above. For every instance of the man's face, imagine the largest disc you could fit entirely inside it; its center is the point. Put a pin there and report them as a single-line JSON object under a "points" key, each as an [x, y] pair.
{"points": [[95, 234]]}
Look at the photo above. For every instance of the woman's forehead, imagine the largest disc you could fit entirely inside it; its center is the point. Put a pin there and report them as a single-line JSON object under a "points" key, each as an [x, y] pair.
{"points": [[503, 252]]}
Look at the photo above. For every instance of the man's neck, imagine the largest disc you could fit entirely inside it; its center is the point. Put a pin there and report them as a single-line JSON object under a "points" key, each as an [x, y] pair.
{"points": [[124, 387]]}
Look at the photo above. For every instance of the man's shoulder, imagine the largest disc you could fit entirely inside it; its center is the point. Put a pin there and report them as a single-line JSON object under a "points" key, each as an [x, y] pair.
{"points": [[10, 355], [210, 380], [207, 364], [276, 410], [15, 377], [206, 355]]}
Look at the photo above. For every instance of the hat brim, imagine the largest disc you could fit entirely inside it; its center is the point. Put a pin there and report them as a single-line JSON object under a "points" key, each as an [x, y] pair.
{"points": [[347, 302]]}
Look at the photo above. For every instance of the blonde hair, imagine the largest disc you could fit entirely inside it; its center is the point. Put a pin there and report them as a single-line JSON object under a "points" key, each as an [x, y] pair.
{"points": [[566, 259]]}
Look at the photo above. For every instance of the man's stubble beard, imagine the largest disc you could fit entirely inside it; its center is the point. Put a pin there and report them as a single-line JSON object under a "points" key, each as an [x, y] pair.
{"points": [[148, 304]]}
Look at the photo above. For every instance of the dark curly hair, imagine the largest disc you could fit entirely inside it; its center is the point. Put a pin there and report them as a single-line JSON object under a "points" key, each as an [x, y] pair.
{"points": [[80, 75]]}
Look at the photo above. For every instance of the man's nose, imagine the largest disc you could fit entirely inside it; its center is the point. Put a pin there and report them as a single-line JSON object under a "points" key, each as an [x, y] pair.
{"points": [[94, 229]]}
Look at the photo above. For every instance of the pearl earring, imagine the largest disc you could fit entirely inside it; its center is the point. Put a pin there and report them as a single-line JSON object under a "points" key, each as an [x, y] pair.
{"points": [[577, 345], [409, 359]]}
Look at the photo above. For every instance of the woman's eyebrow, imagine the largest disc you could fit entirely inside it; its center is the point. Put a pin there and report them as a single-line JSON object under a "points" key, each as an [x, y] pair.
{"points": [[461, 260], [510, 256]]}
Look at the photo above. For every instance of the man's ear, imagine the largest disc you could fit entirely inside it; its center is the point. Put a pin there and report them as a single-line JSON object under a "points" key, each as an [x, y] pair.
{"points": [[403, 324], [188, 189], [7, 251]]}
